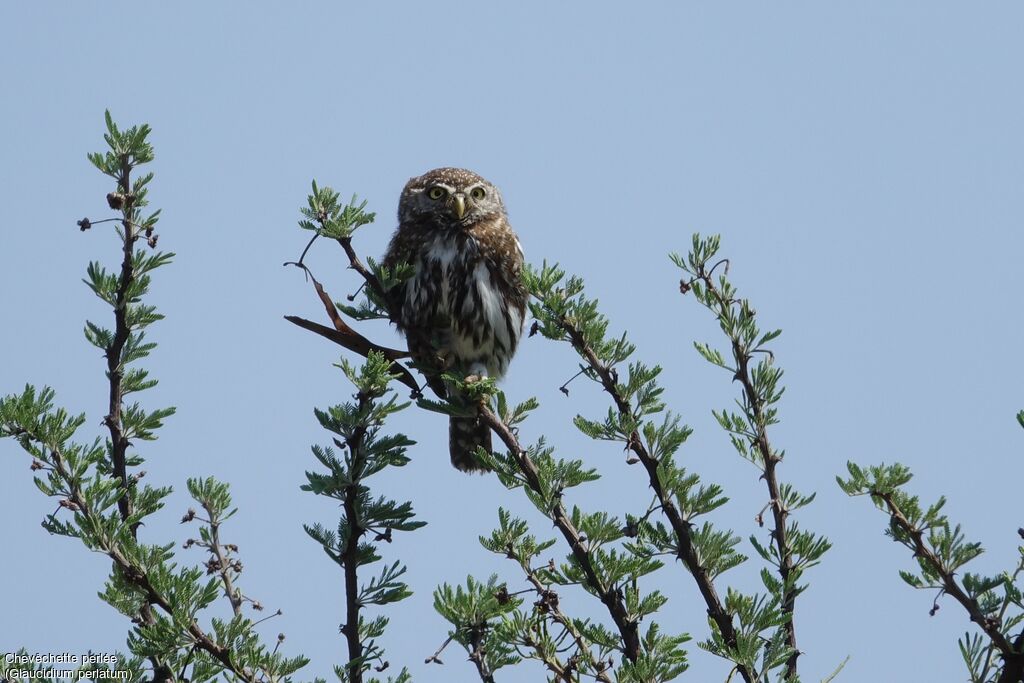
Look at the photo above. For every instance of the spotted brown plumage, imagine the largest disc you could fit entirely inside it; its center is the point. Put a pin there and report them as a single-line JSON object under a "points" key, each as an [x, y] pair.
{"points": [[465, 295]]}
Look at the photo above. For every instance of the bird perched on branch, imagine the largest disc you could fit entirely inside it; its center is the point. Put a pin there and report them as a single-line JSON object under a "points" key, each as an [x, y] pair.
{"points": [[465, 296]]}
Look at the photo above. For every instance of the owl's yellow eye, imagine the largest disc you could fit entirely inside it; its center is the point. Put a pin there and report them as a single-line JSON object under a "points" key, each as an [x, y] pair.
{"points": [[477, 193], [436, 193]]}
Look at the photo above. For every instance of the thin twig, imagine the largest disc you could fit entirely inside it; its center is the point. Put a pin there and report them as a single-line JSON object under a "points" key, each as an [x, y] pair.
{"points": [[436, 657], [565, 387]]}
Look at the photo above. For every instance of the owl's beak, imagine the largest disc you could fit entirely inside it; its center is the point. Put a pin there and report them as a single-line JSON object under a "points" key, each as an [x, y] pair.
{"points": [[460, 205]]}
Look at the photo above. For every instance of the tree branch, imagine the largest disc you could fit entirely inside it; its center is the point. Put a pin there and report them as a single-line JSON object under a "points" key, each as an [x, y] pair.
{"points": [[115, 368], [549, 600], [610, 596], [223, 565], [131, 572], [771, 459], [1012, 655], [350, 555], [115, 374], [680, 527]]}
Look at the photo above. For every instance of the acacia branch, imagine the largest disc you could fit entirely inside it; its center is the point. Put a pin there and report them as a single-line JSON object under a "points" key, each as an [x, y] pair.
{"points": [[611, 597], [477, 655], [549, 600], [350, 555], [115, 368], [756, 404], [223, 566], [345, 336], [1012, 654], [131, 572], [115, 374], [682, 528]]}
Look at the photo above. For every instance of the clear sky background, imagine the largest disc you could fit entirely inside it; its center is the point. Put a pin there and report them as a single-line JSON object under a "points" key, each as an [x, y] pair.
{"points": [[863, 162]]}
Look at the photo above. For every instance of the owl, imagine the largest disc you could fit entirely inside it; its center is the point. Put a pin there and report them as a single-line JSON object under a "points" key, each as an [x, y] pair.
{"points": [[465, 294]]}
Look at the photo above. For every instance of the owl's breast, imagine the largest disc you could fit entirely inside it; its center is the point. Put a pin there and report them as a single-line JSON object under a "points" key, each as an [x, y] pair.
{"points": [[466, 307]]}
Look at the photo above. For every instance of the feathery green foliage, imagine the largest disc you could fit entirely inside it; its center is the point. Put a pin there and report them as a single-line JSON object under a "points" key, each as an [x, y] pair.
{"points": [[366, 521], [98, 484], [941, 550]]}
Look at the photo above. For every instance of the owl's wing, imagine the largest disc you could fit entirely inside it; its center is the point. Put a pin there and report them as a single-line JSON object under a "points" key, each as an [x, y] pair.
{"points": [[398, 250]]}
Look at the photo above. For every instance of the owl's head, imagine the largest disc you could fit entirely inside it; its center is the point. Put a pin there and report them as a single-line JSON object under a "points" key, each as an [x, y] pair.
{"points": [[450, 197]]}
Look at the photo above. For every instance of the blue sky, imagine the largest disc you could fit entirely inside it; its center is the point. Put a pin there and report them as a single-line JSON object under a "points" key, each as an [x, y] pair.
{"points": [[862, 161]]}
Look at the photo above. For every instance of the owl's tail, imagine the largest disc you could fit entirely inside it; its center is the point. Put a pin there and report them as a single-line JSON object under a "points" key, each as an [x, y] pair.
{"points": [[465, 435]]}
